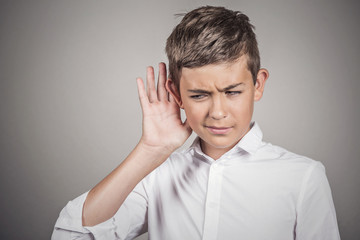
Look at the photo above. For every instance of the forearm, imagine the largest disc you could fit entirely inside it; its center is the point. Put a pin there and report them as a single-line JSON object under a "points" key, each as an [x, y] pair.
{"points": [[107, 196], [163, 132]]}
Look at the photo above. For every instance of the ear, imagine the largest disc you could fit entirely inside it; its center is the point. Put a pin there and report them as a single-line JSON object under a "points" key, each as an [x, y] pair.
{"points": [[261, 78], [173, 90]]}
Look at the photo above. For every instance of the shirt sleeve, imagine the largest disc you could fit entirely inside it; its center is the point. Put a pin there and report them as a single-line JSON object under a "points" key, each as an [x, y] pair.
{"points": [[316, 216], [129, 221]]}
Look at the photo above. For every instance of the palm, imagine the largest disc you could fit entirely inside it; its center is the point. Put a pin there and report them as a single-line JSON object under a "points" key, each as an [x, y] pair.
{"points": [[162, 125]]}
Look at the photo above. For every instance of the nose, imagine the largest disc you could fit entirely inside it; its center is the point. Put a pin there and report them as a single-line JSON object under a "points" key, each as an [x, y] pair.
{"points": [[217, 109]]}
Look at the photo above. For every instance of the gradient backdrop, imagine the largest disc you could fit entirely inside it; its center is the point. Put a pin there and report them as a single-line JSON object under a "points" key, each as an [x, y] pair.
{"points": [[70, 112]]}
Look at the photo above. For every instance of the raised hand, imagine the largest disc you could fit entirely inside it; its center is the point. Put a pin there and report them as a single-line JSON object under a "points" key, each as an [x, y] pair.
{"points": [[163, 133], [162, 125]]}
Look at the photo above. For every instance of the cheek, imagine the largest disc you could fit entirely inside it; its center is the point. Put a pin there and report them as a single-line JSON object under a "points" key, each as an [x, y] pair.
{"points": [[243, 108], [194, 115]]}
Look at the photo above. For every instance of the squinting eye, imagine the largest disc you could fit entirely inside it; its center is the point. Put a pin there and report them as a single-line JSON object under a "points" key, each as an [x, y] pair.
{"points": [[232, 93], [197, 96]]}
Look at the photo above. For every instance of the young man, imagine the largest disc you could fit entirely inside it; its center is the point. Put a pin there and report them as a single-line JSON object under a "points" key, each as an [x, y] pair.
{"points": [[229, 184]]}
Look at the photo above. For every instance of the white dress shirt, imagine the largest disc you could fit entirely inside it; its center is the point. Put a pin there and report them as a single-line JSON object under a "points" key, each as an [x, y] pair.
{"points": [[255, 191]]}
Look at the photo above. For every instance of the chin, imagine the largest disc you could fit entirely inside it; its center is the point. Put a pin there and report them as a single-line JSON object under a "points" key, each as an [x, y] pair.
{"points": [[222, 143]]}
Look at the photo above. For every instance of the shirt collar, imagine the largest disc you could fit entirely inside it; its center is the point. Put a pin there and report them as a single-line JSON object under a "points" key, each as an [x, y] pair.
{"points": [[252, 140], [249, 143]]}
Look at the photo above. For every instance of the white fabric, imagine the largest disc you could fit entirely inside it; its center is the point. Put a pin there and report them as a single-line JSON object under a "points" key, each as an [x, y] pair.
{"points": [[256, 191]]}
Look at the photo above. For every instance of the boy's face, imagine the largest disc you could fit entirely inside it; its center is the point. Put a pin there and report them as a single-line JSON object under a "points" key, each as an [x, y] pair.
{"points": [[218, 101]]}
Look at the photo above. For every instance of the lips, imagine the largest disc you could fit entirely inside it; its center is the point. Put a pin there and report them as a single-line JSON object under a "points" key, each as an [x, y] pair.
{"points": [[218, 130]]}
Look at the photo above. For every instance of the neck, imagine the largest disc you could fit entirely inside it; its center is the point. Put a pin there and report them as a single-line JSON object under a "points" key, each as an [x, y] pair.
{"points": [[213, 152]]}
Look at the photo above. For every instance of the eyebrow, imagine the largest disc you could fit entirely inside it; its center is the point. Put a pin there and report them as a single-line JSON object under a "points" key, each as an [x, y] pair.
{"points": [[231, 87], [222, 90]]}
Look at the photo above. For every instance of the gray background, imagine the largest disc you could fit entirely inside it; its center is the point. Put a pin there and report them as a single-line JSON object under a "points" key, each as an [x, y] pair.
{"points": [[70, 112]]}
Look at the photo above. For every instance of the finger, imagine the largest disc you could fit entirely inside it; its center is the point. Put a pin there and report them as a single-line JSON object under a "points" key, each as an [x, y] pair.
{"points": [[171, 98], [187, 126], [150, 84], [176, 107], [162, 93], [173, 101], [144, 101]]}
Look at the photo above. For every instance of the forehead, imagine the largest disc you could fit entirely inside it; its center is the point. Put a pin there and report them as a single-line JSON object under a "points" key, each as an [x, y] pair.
{"points": [[217, 75]]}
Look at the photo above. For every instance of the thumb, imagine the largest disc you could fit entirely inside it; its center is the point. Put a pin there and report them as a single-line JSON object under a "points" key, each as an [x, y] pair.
{"points": [[187, 126]]}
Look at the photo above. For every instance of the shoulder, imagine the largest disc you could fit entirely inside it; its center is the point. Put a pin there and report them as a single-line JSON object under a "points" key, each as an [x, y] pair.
{"points": [[177, 161], [293, 168], [281, 155], [176, 164]]}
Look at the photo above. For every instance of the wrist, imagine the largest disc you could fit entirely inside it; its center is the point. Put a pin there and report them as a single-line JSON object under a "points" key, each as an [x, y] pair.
{"points": [[155, 150]]}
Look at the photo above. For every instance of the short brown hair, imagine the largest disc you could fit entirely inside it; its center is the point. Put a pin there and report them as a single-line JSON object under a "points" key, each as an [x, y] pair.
{"points": [[211, 35]]}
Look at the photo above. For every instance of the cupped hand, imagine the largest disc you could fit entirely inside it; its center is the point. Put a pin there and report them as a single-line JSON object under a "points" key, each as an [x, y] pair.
{"points": [[162, 125]]}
